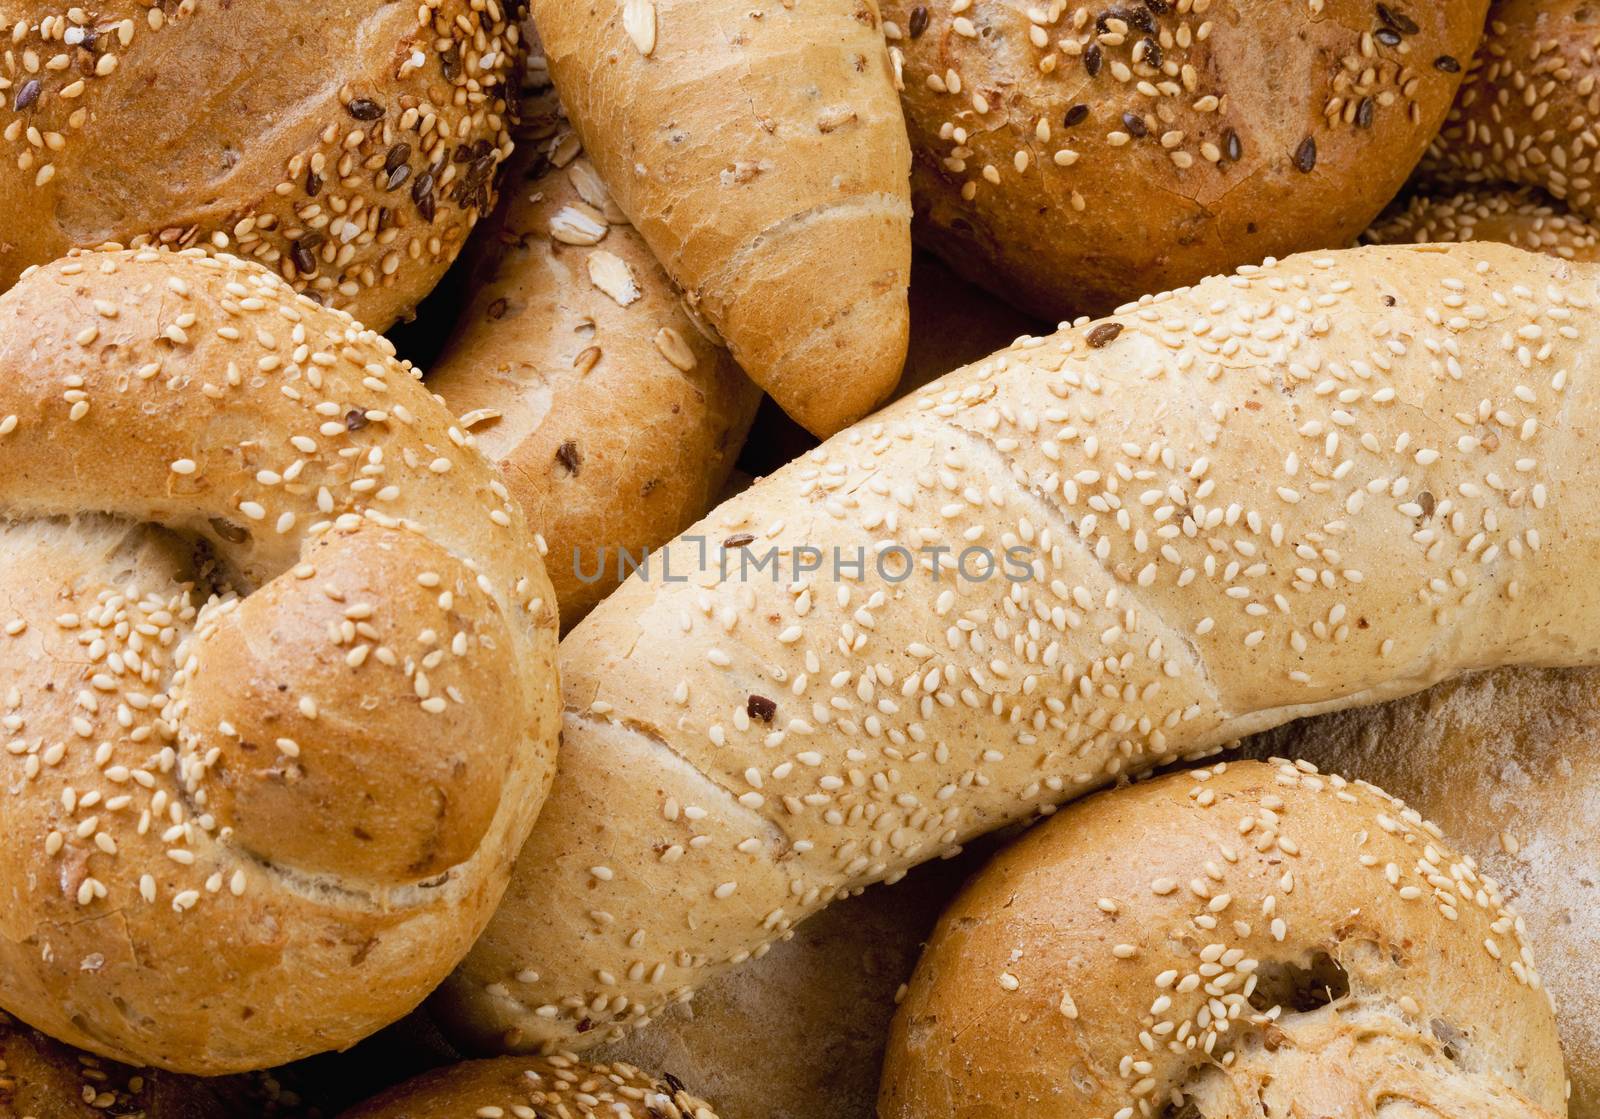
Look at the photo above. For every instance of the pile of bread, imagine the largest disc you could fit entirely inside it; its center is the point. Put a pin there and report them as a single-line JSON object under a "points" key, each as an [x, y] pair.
{"points": [[422, 650]]}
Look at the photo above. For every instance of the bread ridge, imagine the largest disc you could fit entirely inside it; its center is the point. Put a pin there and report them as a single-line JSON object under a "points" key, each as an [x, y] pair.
{"points": [[1280, 492]]}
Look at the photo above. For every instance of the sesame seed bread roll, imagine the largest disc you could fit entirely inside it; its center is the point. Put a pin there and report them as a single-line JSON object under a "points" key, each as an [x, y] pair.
{"points": [[1072, 156], [1241, 942], [1327, 481], [786, 221], [352, 160], [615, 419], [1508, 763], [1521, 218], [1526, 113], [277, 681], [530, 1088]]}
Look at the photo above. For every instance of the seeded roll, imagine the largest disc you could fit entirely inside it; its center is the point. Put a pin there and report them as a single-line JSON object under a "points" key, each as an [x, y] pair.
{"points": [[1527, 113], [1521, 218], [1245, 940], [353, 162], [277, 687], [1325, 482], [1507, 762], [524, 1088], [1071, 157], [614, 415]]}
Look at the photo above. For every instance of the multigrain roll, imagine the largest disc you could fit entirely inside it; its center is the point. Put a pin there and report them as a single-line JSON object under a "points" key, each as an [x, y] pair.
{"points": [[529, 1088], [1074, 156], [349, 148], [277, 687], [1527, 112], [1325, 482], [1513, 217], [1239, 941], [1508, 763], [759, 149], [614, 415]]}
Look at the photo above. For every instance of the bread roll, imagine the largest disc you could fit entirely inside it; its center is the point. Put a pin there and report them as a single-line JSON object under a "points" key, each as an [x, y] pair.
{"points": [[526, 1088], [1521, 218], [1330, 481], [1238, 941], [1526, 114], [614, 418], [1508, 762], [276, 668], [348, 145], [798, 1032], [760, 151], [1070, 157]]}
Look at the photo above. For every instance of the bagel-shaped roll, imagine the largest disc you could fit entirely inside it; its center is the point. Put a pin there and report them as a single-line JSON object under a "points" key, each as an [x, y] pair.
{"points": [[1248, 940], [1525, 219], [581, 374], [277, 694], [348, 145], [533, 1088]]}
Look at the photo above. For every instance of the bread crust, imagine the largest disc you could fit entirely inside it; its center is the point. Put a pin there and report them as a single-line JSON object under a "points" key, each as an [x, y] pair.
{"points": [[349, 145], [615, 417], [1327, 482], [522, 1086], [1239, 940], [1524, 218], [279, 692], [1083, 158], [1526, 113], [1508, 763], [787, 224]]}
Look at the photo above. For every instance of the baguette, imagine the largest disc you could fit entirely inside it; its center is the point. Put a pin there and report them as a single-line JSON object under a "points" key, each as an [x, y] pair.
{"points": [[786, 220], [1508, 763], [579, 373], [1323, 482]]}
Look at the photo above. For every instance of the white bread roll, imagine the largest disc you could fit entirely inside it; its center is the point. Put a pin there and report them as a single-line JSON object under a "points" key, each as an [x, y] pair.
{"points": [[1241, 941], [1319, 483]]}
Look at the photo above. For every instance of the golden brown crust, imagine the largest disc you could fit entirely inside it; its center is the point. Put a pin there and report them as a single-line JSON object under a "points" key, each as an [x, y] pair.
{"points": [[1098, 152], [1238, 941], [1525, 219], [1508, 763], [1527, 112], [530, 1088], [352, 155], [787, 222], [615, 419], [278, 689], [1327, 482]]}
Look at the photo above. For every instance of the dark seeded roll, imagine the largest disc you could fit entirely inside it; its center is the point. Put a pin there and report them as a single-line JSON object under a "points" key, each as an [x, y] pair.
{"points": [[1075, 156], [352, 156]]}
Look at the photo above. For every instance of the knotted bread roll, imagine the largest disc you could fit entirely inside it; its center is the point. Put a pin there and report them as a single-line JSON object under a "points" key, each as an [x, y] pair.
{"points": [[348, 145], [277, 693], [1239, 941], [1508, 763], [1323, 482], [520, 1088]]}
